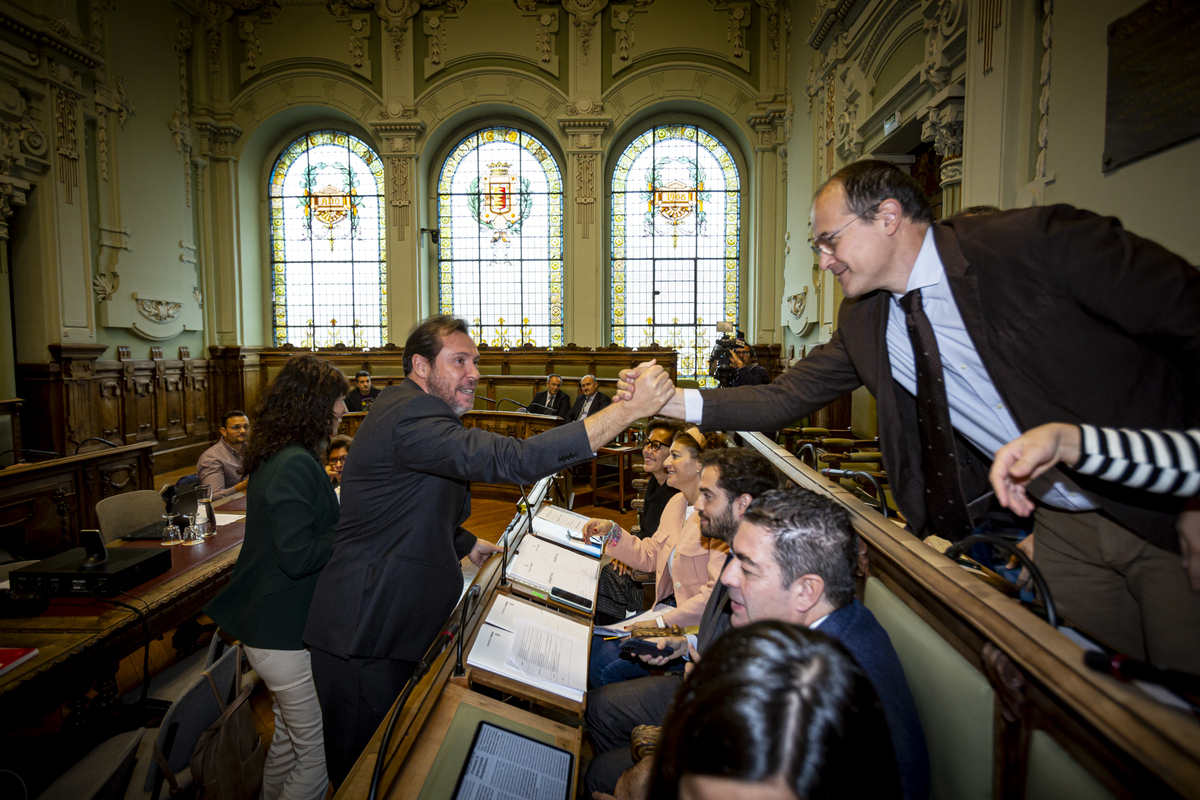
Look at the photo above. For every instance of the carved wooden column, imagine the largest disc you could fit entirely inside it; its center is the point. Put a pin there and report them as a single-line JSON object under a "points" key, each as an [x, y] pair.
{"points": [[71, 402], [943, 125]]}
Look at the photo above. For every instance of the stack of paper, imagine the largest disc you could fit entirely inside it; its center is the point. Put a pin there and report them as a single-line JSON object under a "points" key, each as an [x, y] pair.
{"points": [[534, 646], [566, 528], [545, 566]]}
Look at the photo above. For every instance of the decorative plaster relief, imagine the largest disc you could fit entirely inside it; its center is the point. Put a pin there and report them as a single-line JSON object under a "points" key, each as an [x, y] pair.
{"points": [[157, 310], [106, 100], [943, 19], [1039, 172], [105, 286], [435, 29], [991, 14], [546, 28], [585, 190], [67, 146], [215, 14], [584, 13], [181, 121], [248, 33], [359, 30]]}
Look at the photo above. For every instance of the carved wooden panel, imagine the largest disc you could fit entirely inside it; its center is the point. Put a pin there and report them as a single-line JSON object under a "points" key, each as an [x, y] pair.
{"points": [[40, 518], [112, 402]]}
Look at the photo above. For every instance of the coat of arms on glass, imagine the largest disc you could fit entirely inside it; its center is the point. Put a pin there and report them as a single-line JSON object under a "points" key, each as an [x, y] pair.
{"points": [[675, 226], [500, 225], [328, 251]]}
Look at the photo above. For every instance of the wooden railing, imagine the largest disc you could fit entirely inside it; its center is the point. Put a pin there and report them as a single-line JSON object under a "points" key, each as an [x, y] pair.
{"points": [[1131, 744]]}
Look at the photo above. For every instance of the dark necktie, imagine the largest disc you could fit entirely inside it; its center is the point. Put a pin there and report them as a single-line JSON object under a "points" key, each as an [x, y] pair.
{"points": [[946, 509]]}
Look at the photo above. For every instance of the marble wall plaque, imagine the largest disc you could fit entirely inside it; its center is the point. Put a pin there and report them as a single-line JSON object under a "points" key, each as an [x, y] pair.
{"points": [[1153, 81]]}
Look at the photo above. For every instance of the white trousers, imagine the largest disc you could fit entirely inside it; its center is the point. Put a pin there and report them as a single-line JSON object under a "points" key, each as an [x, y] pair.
{"points": [[295, 767]]}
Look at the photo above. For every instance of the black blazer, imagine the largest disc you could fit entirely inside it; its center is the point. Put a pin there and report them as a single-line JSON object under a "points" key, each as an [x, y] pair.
{"points": [[560, 406], [1074, 318], [602, 401], [291, 514], [394, 576]]}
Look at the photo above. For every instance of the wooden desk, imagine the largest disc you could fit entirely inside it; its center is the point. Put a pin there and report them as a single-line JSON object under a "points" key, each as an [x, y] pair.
{"points": [[44, 505], [81, 640], [621, 490], [427, 769]]}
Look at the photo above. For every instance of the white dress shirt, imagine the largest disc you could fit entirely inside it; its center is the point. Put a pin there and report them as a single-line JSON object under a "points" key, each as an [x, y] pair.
{"points": [[976, 409]]}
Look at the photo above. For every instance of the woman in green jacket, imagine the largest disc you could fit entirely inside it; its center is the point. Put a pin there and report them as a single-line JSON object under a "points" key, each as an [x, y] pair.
{"points": [[291, 514]]}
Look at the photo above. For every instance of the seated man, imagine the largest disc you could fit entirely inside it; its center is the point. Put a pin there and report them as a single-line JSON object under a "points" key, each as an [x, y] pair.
{"points": [[793, 560], [335, 457], [730, 478], [361, 397], [220, 465], [552, 401], [749, 371], [590, 399]]}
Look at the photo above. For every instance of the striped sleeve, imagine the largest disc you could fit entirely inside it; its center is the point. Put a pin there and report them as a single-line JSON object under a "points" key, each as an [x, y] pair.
{"points": [[1164, 462]]}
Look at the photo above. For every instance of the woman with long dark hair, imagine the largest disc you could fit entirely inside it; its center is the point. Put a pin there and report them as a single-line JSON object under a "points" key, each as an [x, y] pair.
{"points": [[780, 709], [291, 514]]}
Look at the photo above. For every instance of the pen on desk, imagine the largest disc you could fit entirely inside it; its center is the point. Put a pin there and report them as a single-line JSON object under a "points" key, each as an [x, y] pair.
{"points": [[610, 638]]}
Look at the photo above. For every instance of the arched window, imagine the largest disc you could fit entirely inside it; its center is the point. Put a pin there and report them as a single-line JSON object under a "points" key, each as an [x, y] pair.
{"points": [[676, 205], [500, 228], [328, 251]]}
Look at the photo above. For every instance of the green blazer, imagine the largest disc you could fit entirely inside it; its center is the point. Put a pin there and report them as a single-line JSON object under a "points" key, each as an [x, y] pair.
{"points": [[291, 514]]}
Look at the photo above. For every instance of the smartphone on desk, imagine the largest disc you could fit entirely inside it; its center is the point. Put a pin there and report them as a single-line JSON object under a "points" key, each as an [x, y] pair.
{"points": [[570, 598]]}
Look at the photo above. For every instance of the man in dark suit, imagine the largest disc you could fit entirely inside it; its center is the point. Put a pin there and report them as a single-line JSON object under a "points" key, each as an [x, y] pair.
{"points": [[363, 394], [394, 576], [590, 399], [1039, 315], [556, 401], [792, 560]]}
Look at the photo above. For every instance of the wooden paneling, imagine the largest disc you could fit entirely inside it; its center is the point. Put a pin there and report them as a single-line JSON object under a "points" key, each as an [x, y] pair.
{"points": [[173, 402], [44, 505]]}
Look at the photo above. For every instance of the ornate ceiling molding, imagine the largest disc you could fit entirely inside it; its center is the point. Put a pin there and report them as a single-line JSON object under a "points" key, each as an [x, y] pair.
{"points": [[63, 37], [829, 13]]}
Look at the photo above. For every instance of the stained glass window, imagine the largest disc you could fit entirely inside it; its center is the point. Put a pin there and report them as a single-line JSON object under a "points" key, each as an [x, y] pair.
{"points": [[500, 225], [328, 251], [676, 204]]}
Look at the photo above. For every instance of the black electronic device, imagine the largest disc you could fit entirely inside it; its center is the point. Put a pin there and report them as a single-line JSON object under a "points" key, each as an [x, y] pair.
{"points": [[66, 574], [570, 598], [633, 647], [93, 544]]}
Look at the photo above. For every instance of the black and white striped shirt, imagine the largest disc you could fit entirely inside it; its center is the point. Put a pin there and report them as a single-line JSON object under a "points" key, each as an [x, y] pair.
{"points": [[1165, 462]]}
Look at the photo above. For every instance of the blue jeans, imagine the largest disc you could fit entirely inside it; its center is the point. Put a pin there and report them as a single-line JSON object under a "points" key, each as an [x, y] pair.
{"points": [[607, 667]]}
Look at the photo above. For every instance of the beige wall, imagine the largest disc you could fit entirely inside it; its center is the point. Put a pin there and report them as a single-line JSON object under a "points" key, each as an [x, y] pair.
{"points": [[128, 227]]}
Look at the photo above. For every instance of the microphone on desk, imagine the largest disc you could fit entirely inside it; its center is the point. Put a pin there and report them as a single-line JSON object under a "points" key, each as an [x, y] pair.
{"points": [[459, 671], [439, 644], [1125, 668], [501, 400]]}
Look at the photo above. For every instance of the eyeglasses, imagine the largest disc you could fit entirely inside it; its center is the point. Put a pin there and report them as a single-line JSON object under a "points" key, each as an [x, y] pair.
{"points": [[654, 446], [338, 460], [826, 245]]}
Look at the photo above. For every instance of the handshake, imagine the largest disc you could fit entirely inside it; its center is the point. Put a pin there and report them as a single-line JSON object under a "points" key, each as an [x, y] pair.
{"points": [[649, 389]]}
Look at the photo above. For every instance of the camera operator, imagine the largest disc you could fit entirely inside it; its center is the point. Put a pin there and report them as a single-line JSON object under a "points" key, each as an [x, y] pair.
{"points": [[749, 371]]}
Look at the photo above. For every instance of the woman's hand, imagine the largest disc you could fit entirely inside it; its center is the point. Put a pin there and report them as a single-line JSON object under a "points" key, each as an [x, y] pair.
{"points": [[597, 527]]}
